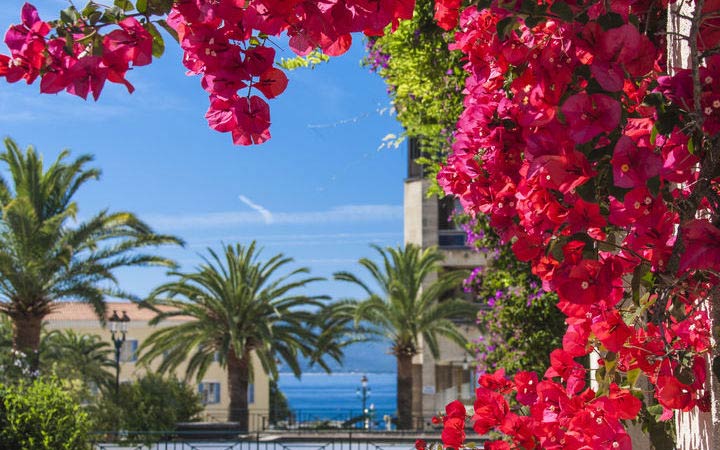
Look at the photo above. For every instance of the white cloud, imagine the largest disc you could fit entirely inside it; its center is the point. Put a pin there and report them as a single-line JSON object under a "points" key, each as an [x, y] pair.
{"points": [[299, 240], [264, 212], [339, 214]]}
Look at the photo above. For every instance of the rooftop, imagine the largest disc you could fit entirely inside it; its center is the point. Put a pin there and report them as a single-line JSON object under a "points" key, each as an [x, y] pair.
{"points": [[83, 311]]}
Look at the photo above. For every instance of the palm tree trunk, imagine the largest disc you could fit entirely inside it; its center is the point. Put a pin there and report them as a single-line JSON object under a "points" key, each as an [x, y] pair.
{"points": [[26, 337], [238, 379], [404, 391]]}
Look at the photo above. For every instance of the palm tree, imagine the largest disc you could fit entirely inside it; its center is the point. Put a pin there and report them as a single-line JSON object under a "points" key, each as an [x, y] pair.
{"points": [[48, 255], [237, 305], [83, 356], [406, 308]]}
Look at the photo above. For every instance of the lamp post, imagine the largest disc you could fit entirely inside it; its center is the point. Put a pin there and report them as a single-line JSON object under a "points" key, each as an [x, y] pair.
{"points": [[364, 392], [118, 333]]}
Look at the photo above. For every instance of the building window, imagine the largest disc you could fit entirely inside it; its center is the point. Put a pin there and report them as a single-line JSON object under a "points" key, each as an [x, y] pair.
{"points": [[209, 392], [415, 170], [251, 393], [449, 234], [128, 351]]}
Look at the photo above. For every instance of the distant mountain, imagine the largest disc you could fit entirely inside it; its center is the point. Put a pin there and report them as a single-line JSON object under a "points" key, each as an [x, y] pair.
{"points": [[363, 357]]}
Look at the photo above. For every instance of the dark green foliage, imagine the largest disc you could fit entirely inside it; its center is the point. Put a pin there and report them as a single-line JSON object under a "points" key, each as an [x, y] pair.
{"points": [[41, 415], [425, 80], [152, 403], [84, 357], [402, 309], [520, 322], [279, 407], [47, 255]]}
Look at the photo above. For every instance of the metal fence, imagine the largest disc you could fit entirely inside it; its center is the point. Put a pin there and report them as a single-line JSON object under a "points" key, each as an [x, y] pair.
{"points": [[323, 419], [190, 441]]}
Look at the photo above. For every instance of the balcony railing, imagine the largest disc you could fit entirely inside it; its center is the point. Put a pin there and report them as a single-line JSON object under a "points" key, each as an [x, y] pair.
{"points": [[452, 239]]}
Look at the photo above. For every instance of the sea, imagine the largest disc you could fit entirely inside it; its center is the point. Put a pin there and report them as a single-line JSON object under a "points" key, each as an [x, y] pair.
{"points": [[338, 395]]}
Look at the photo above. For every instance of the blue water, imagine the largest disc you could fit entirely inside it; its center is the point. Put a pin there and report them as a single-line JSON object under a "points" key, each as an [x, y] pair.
{"points": [[336, 394]]}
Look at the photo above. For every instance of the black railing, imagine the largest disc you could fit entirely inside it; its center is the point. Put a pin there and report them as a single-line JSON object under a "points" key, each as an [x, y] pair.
{"points": [[317, 419], [349, 440], [452, 239]]}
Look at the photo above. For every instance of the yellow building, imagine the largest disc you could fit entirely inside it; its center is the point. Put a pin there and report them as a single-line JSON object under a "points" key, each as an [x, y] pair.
{"points": [[213, 387]]}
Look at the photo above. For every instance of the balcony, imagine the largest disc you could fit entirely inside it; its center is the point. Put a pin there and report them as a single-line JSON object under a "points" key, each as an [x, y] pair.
{"points": [[452, 239]]}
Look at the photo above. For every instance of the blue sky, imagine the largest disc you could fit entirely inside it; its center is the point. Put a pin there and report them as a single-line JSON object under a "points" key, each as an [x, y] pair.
{"points": [[320, 191]]}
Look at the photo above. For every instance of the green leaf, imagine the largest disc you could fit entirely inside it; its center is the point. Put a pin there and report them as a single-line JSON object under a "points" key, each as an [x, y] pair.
{"points": [[531, 21], [505, 26], [635, 282], [69, 15], [125, 5], [655, 411], [141, 6], [653, 135], [89, 9], [666, 122], [691, 146], [169, 29], [159, 7], [563, 11], [112, 14], [611, 20], [632, 376], [653, 185], [158, 44], [655, 99]]}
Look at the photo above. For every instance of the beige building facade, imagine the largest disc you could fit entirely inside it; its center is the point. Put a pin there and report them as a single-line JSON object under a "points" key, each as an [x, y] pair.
{"points": [[427, 223], [213, 387]]}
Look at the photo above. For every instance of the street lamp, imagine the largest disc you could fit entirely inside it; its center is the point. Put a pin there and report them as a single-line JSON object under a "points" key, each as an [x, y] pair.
{"points": [[118, 332], [364, 392]]}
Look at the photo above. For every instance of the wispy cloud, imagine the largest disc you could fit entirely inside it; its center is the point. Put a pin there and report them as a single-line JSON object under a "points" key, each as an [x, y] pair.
{"points": [[339, 214], [300, 240], [264, 212]]}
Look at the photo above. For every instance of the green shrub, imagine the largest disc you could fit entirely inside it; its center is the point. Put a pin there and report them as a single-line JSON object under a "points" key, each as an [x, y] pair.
{"points": [[41, 415], [152, 403]]}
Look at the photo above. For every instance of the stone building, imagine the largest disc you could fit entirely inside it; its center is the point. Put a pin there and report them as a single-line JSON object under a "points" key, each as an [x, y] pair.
{"points": [[81, 318], [427, 223]]}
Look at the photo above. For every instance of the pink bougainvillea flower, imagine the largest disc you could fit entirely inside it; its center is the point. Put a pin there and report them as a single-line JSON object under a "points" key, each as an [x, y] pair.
{"points": [[447, 13], [490, 410], [702, 246], [253, 117], [526, 384], [576, 336], [132, 40], [453, 434], [221, 114], [272, 82], [527, 247], [588, 115], [633, 165], [259, 59], [585, 216], [496, 381], [611, 330], [673, 394], [87, 75]]}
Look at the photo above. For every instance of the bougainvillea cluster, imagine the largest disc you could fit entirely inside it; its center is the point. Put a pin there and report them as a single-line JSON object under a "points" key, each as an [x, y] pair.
{"points": [[226, 42], [600, 168], [597, 161]]}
